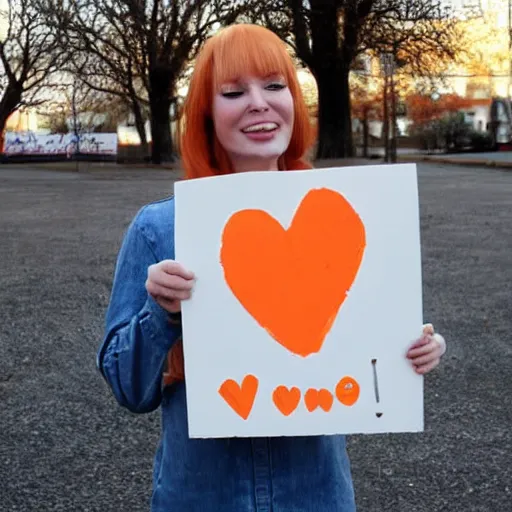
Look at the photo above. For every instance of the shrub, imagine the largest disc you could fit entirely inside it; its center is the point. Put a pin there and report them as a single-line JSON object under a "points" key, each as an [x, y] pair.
{"points": [[481, 141]]}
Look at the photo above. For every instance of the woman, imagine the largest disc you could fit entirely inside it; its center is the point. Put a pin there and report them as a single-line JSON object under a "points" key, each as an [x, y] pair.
{"points": [[244, 112]]}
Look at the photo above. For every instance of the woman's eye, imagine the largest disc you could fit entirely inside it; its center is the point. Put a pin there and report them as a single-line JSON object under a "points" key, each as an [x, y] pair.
{"points": [[276, 86], [232, 94]]}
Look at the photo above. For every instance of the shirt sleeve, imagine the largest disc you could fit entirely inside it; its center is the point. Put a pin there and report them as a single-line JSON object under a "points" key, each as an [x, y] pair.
{"points": [[138, 332]]}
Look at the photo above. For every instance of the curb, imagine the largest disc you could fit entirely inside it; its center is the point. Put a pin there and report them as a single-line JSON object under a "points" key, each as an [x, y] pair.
{"points": [[467, 162]]}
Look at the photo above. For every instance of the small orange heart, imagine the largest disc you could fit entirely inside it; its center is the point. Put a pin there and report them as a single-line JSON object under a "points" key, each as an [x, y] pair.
{"points": [[286, 400], [305, 271], [347, 391], [318, 398], [240, 398]]}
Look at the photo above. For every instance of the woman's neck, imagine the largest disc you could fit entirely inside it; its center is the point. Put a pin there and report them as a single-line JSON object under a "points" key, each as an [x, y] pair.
{"points": [[255, 165]]}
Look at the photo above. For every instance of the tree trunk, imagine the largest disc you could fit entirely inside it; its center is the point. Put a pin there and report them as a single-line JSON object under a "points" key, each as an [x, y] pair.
{"points": [[161, 83], [334, 120], [2, 140], [330, 64], [141, 128], [3, 122], [10, 100]]}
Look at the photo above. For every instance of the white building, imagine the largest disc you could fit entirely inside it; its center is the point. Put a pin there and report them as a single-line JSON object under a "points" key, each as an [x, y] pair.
{"points": [[468, 8]]}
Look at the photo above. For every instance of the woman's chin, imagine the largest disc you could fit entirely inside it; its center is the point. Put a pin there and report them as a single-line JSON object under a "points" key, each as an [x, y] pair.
{"points": [[257, 163]]}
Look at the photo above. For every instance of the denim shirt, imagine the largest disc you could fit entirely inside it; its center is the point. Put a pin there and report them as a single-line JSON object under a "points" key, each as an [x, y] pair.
{"points": [[279, 474]]}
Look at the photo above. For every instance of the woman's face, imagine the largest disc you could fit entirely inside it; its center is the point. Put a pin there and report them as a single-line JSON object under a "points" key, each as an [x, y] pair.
{"points": [[253, 119]]}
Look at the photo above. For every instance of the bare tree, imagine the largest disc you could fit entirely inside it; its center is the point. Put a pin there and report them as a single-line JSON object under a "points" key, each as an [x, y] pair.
{"points": [[105, 54], [139, 49], [420, 35], [30, 54], [329, 35], [80, 109]]}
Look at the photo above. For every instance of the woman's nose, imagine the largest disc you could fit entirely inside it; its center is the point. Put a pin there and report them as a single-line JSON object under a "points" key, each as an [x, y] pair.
{"points": [[257, 101]]}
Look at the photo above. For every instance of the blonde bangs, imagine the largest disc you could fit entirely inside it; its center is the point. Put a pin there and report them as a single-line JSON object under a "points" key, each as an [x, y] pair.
{"points": [[234, 55]]}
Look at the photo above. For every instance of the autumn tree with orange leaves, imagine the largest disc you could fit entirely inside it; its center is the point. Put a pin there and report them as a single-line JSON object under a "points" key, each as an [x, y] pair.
{"points": [[441, 124], [422, 109]]}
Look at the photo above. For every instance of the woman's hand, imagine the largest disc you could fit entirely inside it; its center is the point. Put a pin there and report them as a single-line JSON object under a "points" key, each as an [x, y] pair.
{"points": [[426, 352], [169, 283]]}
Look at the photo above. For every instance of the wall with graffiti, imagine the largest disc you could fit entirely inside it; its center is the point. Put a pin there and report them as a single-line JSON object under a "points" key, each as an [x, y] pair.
{"points": [[67, 145]]}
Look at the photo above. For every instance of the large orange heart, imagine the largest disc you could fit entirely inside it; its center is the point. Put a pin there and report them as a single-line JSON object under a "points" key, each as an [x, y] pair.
{"points": [[293, 282]]}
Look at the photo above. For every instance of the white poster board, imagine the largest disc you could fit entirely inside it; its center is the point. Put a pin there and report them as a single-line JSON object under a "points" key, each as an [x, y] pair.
{"points": [[308, 295]]}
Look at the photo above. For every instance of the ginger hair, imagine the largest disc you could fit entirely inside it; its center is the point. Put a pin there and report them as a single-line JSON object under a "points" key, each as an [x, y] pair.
{"points": [[233, 52]]}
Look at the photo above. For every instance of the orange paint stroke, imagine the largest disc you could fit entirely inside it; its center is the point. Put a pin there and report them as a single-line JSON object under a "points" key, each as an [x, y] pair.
{"points": [[294, 281], [286, 400], [347, 391], [240, 398], [318, 398]]}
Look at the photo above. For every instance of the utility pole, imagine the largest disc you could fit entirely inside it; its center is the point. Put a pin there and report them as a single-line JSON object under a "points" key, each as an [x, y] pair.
{"points": [[387, 61], [385, 127], [394, 134], [76, 123], [509, 48]]}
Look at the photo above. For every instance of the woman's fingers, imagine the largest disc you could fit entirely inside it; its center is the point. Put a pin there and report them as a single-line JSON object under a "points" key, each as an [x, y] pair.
{"points": [[425, 353], [427, 368], [427, 358], [171, 281], [441, 342], [174, 268], [165, 292], [428, 329], [421, 347]]}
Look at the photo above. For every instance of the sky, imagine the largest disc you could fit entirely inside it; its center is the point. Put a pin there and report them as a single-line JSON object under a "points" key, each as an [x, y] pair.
{"points": [[3, 24]]}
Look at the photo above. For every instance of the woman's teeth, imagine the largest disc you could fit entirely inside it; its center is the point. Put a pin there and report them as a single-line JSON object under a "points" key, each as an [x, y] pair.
{"points": [[262, 127]]}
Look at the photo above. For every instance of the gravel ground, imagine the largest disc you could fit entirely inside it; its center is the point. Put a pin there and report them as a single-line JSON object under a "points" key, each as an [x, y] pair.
{"points": [[66, 446]]}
